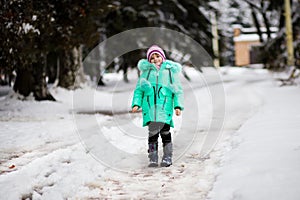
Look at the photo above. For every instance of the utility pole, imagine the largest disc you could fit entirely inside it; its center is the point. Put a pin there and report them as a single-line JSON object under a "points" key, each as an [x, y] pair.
{"points": [[215, 39], [289, 33]]}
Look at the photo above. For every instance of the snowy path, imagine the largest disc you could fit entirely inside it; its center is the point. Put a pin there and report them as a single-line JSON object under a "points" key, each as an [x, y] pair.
{"points": [[42, 157], [190, 177]]}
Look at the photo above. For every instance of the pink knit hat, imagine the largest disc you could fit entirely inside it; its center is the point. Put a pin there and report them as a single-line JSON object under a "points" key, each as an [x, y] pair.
{"points": [[155, 49]]}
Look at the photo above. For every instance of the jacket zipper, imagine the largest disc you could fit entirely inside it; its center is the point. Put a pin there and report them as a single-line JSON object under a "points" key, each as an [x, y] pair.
{"points": [[155, 106]]}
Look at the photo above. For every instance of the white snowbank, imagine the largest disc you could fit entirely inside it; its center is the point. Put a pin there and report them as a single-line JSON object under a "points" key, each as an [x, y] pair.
{"points": [[265, 162]]}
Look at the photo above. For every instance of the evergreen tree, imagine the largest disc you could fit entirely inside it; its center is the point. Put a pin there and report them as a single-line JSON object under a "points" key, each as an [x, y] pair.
{"points": [[31, 30], [52, 36], [182, 16], [24, 31]]}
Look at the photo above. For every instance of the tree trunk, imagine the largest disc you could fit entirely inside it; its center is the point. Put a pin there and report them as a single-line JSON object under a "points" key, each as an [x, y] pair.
{"points": [[282, 19], [66, 75], [257, 25], [71, 71], [33, 80], [125, 77], [40, 87], [24, 83], [124, 68], [79, 74], [55, 84], [266, 21], [100, 81]]}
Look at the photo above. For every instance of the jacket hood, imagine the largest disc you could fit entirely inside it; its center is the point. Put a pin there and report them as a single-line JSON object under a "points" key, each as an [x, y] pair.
{"points": [[144, 65]]}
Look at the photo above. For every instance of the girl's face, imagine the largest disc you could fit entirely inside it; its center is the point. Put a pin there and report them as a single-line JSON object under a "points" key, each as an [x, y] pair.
{"points": [[156, 59]]}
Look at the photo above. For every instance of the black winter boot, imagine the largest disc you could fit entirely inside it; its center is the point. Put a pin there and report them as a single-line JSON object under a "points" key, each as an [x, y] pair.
{"points": [[167, 157], [153, 154]]}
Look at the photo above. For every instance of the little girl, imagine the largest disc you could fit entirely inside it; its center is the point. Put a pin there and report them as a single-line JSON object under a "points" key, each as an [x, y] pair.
{"points": [[158, 92]]}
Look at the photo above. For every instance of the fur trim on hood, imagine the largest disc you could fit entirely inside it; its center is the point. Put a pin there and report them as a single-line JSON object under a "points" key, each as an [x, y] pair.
{"points": [[174, 66], [144, 65]]}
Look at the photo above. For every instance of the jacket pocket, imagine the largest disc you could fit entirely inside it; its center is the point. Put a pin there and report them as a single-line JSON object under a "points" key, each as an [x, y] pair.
{"points": [[166, 91], [167, 100], [164, 103], [147, 100]]}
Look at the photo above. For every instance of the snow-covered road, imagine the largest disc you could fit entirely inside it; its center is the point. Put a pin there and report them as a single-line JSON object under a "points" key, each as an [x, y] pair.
{"points": [[48, 153]]}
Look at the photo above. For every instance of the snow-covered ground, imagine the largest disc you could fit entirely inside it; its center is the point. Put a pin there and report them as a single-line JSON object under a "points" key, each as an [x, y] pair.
{"points": [[264, 160], [87, 145]]}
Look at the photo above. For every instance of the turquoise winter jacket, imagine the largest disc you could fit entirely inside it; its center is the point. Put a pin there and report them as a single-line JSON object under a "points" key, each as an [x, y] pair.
{"points": [[158, 92]]}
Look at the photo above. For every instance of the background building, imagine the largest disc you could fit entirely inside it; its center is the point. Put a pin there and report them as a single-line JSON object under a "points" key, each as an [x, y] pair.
{"points": [[247, 44]]}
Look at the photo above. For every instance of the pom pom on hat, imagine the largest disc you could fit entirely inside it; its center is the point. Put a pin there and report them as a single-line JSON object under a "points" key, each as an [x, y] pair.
{"points": [[155, 49]]}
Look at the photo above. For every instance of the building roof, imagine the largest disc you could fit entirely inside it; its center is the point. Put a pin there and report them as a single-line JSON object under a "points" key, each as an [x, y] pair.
{"points": [[250, 34], [251, 37]]}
